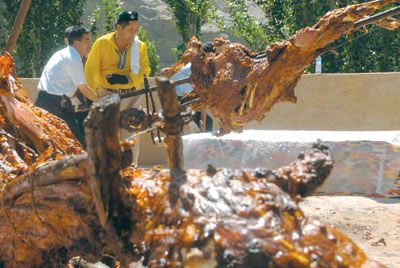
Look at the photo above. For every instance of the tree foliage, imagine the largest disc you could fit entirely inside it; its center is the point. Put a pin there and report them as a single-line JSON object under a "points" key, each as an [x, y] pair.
{"points": [[43, 31], [374, 51], [3, 28], [104, 17], [188, 17], [154, 59], [246, 26], [103, 21]]}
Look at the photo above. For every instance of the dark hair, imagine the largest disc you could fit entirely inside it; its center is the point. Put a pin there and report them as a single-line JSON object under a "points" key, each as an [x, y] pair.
{"points": [[122, 23], [75, 33], [208, 47], [68, 31]]}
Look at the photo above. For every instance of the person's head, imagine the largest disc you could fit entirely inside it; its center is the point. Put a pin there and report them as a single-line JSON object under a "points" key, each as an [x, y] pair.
{"points": [[66, 34], [79, 38], [208, 47], [127, 26]]}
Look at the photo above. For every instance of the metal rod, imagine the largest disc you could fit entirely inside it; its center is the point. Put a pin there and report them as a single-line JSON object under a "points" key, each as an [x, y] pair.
{"points": [[379, 16], [151, 89], [158, 123], [137, 134]]}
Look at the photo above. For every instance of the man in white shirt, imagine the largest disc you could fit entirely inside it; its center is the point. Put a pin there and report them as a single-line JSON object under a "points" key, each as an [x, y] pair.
{"points": [[63, 76]]}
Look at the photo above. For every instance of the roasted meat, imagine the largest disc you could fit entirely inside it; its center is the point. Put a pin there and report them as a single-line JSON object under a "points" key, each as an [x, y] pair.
{"points": [[239, 86], [29, 135], [59, 202], [223, 218], [135, 120], [87, 205]]}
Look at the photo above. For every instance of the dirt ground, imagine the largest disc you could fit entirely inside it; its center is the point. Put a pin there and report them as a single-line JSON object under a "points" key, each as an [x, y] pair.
{"points": [[366, 220]]}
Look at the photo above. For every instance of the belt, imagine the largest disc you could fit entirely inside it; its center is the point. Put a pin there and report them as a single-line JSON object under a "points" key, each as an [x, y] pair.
{"points": [[43, 93], [122, 91]]}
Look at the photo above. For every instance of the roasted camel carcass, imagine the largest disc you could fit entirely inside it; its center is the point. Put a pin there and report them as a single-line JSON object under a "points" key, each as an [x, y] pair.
{"points": [[216, 218], [231, 218], [222, 218], [239, 86], [211, 218], [88, 205]]}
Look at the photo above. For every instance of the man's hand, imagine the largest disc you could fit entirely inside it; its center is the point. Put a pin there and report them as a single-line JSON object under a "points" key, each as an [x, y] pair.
{"points": [[88, 92], [117, 79]]}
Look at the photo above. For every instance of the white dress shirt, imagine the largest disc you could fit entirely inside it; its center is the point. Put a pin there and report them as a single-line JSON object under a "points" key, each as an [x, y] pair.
{"points": [[63, 73]]}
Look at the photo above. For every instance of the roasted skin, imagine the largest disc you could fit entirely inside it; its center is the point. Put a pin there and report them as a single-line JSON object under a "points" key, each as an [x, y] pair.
{"points": [[135, 120], [29, 136], [222, 218], [211, 218], [53, 210], [238, 86], [232, 218]]}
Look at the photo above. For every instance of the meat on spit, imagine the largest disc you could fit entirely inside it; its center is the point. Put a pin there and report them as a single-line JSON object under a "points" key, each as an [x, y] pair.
{"points": [[50, 205], [135, 120], [221, 218], [239, 86]]}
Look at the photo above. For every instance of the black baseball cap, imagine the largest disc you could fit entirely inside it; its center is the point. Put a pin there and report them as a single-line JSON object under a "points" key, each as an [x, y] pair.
{"points": [[127, 16]]}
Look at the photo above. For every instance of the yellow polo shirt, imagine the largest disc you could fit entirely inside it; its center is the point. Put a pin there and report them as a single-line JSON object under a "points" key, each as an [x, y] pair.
{"points": [[104, 59]]}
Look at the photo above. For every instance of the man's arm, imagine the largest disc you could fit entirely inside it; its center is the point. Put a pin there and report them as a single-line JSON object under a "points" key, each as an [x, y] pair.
{"points": [[88, 93]]}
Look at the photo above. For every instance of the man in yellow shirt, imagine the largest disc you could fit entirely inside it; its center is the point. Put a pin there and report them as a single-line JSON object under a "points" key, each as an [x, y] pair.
{"points": [[117, 63]]}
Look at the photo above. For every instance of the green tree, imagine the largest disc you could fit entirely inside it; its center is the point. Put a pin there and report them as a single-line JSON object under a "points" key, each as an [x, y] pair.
{"points": [[43, 31], [246, 26], [375, 51], [3, 28], [188, 17], [103, 21], [154, 59], [104, 16]]}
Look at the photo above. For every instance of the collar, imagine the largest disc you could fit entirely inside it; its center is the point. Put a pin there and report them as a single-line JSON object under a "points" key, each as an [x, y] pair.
{"points": [[111, 37], [73, 51]]}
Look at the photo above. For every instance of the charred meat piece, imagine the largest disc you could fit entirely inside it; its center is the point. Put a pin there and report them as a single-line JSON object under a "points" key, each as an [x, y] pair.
{"points": [[135, 120], [239, 86], [223, 218], [232, 218], [29, 136]]}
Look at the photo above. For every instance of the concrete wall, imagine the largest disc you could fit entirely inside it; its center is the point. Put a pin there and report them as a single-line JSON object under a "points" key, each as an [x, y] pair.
{"points": [[339, 102], [324, 102]]}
